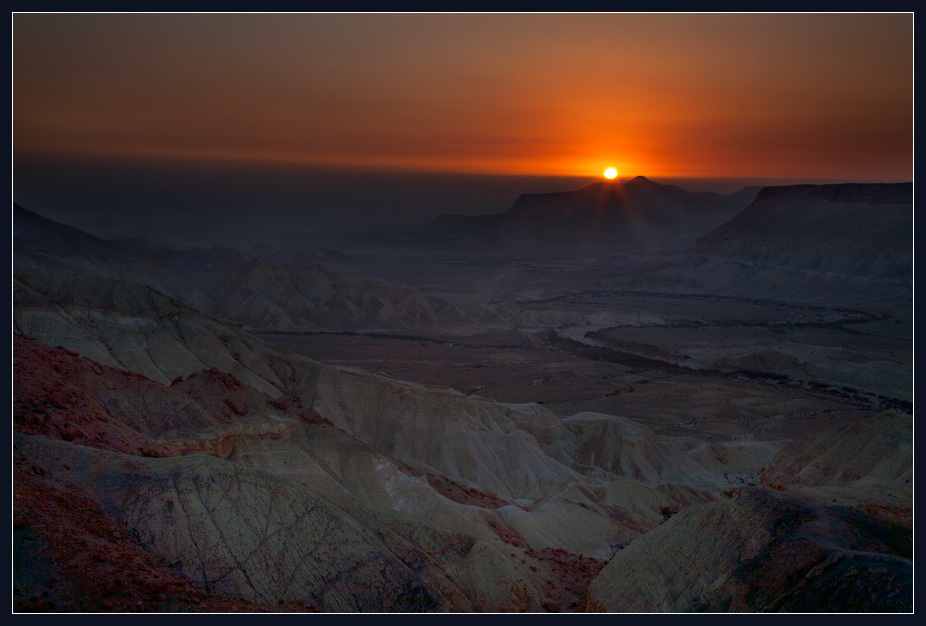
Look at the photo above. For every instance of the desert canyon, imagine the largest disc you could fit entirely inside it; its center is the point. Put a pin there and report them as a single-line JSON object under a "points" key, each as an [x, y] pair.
{"points": [[628, 398]]}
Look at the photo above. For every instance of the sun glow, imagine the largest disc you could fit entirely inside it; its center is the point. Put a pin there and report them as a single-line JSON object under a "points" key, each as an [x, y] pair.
{"points": [[610, 173]]}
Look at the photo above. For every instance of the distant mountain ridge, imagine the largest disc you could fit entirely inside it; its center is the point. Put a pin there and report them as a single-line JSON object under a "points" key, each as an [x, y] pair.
{"points": [[265, 288], [42, 244], [639, 212]]}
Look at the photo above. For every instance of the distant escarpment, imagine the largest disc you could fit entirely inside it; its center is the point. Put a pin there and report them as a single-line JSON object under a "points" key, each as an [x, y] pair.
{"points": [[835, 244], [865, 219], [844, 242], [638, 214]]}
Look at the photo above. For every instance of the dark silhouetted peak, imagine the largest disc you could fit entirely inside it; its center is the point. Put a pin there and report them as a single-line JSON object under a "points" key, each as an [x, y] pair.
{"points": [[636, 184], [28, 224], [34, 233], [639, 212]]}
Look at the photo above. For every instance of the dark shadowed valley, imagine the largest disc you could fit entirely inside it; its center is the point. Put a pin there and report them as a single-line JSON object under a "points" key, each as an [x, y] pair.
{"points": [[626, 397]]}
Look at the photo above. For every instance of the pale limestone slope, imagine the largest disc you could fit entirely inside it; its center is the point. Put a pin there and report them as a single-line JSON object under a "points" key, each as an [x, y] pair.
{"points": [[132, 327], [833, 534], [240, 532], [877, 450], [762, 551]]}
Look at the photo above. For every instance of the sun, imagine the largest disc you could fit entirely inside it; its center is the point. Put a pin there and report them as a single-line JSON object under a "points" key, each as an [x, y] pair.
{"points": [[610, 173]]}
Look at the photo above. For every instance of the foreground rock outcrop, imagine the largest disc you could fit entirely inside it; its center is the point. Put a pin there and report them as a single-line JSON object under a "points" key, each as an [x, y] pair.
{"points": [[834, 531], [762, 551]]}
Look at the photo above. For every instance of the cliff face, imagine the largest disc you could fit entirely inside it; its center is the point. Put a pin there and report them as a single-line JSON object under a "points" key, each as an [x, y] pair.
{"points": [[858, 217], [834, 244]]}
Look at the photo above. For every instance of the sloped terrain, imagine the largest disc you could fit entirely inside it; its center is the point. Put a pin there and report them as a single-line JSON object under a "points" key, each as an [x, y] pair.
{"points": [[878, 450], [132, 327], [299, 296], [761, 551], [240, 533], [833, 532], [403, 469], [71, 556], [815, 243]]}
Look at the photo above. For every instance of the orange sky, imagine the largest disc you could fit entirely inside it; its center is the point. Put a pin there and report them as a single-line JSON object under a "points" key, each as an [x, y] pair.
{"points": [[768, 96]]}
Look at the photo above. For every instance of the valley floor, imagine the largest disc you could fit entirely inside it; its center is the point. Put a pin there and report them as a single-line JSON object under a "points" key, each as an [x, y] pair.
{"points": [[713, 368]]}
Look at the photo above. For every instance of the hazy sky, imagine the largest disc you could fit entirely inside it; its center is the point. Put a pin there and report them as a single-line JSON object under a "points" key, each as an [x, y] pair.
{"points": [[809, 96]]}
